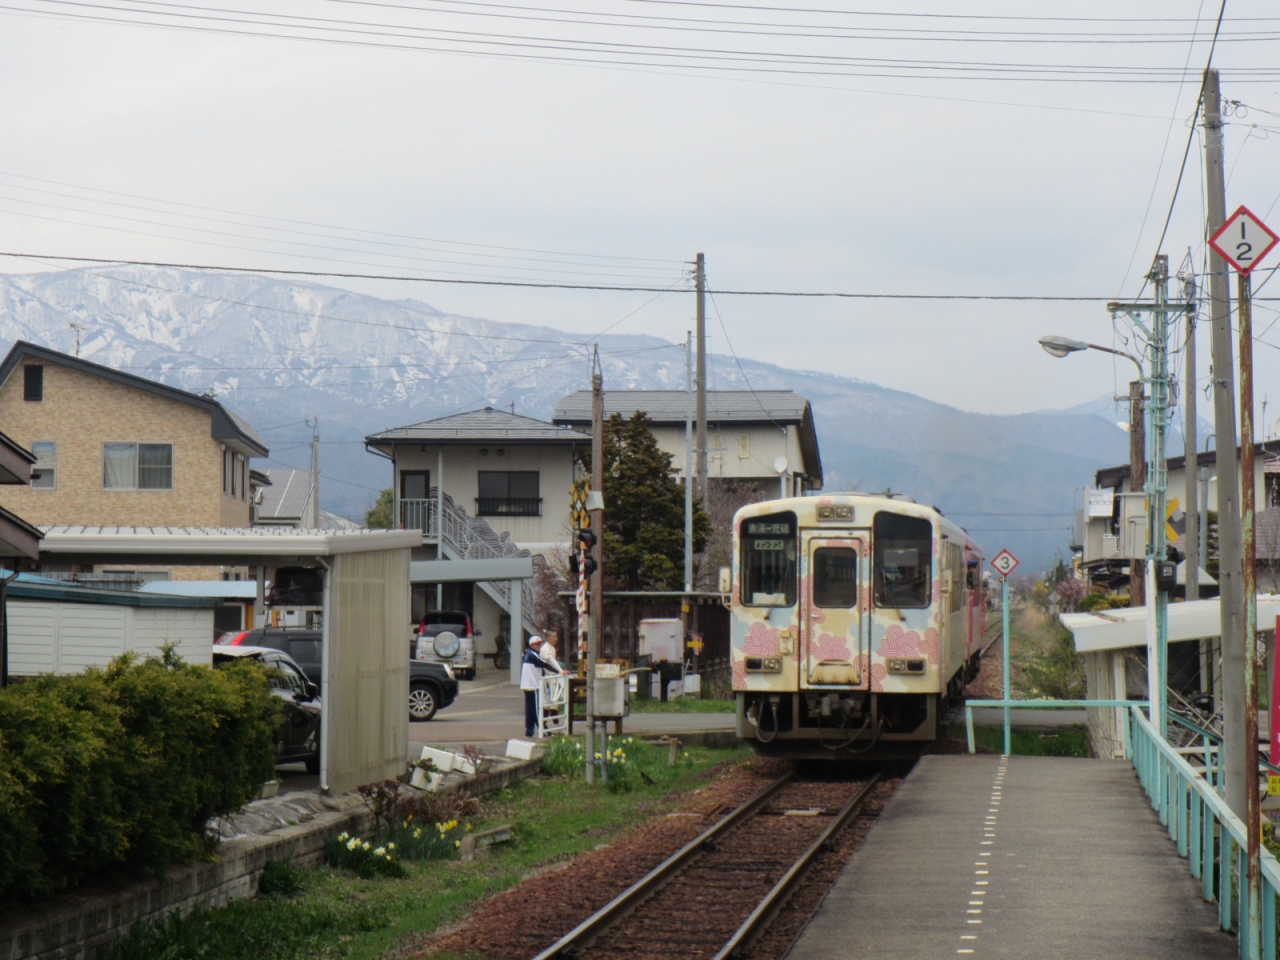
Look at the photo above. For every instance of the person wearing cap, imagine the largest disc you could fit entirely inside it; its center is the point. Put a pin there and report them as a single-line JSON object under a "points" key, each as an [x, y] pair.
{"points": [[531, 671]]}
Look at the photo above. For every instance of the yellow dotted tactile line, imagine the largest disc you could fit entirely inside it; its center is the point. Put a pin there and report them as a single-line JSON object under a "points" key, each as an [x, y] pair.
{"points": [[982, 866]]}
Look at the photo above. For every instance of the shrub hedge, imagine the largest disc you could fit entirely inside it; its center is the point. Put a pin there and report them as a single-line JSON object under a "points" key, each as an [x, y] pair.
{"points": [[123, 767]]}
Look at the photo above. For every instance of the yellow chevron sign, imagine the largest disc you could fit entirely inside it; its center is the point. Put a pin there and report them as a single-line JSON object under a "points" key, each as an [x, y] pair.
{"points": [[1172, 511]]}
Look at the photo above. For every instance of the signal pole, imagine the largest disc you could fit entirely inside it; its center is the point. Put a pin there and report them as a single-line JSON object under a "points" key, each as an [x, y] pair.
{"points": [[700, 282], [1235, 763], [595, 508]]}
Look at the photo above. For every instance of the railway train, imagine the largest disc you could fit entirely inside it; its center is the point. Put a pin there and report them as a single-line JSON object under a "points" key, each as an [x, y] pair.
{"points": [[854, 619]]}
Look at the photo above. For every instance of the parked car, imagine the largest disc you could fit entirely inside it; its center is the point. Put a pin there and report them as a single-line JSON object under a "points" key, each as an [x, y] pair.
{"points": [[445, 636], [432, 686], [298, 736]]}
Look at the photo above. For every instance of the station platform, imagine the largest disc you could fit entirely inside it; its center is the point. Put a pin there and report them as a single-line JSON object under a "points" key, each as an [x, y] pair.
{"points": [[1019, 857]]}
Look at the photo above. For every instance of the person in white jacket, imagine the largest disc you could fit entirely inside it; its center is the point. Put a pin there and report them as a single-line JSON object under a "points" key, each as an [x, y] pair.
{"points": [[531, 671]]}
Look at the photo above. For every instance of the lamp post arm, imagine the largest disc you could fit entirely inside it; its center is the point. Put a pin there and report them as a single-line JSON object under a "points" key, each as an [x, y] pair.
{"points": [[1118, 353]]}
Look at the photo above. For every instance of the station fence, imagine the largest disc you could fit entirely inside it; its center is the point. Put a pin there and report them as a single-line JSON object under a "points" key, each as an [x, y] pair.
{"points": [[1207, 834]]}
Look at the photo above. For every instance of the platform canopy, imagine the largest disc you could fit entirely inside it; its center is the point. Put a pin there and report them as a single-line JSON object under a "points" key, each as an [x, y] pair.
{"points": [[1127, 627]]}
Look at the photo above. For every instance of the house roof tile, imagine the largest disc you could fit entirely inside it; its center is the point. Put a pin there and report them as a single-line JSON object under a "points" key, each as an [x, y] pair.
{"points": [[480, 426]]}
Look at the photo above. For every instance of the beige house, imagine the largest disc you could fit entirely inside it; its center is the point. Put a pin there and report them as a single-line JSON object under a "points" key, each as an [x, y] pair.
{"points": [[765, 437], [114, 449]]}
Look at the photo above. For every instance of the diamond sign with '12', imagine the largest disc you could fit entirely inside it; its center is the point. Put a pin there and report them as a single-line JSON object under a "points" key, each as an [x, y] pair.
{"points": [[1243, 240], [1004, 563]]}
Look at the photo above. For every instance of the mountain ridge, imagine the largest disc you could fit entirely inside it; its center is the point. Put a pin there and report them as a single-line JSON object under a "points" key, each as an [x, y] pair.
{"points": [[271, 349]]}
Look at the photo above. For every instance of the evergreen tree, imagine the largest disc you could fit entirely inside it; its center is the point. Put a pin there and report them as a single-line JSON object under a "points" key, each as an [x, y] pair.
{"points": [[380, 515], [644, 510]]}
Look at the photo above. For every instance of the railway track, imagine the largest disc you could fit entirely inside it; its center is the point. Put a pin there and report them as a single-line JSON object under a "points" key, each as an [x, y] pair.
{"points": [[716, 895]]}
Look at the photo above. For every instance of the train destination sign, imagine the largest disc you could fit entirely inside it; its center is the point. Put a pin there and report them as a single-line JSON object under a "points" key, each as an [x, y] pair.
{"points": [[1243, 240], [1004, 563]]}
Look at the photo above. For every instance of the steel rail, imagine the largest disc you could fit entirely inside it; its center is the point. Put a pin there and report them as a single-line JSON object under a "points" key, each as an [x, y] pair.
{"points": [[776, 898], [581, 936]]}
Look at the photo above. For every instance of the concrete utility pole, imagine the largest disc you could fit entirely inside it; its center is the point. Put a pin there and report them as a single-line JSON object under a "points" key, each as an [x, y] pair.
{"points": [[1137, 480], [1230, 542], [688, 465], [1191, 480], [700, 282], [313, 510]]}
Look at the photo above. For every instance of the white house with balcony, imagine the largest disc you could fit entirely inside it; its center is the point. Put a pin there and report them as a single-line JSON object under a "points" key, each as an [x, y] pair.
{"points": [[750, 433], [486, 485]]}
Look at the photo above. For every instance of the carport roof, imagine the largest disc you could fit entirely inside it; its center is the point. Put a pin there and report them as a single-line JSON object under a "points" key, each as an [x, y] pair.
{"points": [[217, 545]]}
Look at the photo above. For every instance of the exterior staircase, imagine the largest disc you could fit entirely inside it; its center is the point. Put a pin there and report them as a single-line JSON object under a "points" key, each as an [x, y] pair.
{"points": [[463, 537]]}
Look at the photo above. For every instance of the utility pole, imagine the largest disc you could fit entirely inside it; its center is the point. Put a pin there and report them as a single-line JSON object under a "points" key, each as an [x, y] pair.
{"points": [[1157, 473], [1137, 481], [313, 511], [700, 282], [595, 508], [1235, 766], [688, 465], [1191, 480]]}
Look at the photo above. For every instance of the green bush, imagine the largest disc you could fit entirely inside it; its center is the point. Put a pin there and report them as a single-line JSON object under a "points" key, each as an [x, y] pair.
{"points": [[123, 767]]}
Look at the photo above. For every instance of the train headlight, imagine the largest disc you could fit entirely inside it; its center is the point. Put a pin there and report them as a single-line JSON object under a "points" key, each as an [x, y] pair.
{"points": [[764, 664], [904, 665]]}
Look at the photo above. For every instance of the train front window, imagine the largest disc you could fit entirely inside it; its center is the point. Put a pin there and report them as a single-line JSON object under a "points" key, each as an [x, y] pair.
{"points": [[769, 560], [835, 577], [903, 550]]}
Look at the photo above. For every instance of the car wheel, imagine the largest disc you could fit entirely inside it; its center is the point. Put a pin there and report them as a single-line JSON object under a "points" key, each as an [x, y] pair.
{"points": [[313, 764], [471, 675], [423, 702]]}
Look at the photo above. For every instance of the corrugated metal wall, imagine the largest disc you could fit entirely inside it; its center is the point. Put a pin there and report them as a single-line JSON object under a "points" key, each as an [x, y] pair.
{"points": [[366, 712]]}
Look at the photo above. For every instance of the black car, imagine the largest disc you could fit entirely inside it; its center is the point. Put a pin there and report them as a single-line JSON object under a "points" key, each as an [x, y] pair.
{"points": [[298, 736], [432, 686]]}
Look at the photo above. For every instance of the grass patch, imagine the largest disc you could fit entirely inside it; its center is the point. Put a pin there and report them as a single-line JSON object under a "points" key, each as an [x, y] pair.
{"points": [[335, 913], [1069, 741], [682, 705]]}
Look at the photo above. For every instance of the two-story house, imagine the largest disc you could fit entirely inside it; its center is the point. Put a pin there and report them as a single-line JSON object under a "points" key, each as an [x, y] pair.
{"points": [[115, 449], [500, 482], [763, 437]]}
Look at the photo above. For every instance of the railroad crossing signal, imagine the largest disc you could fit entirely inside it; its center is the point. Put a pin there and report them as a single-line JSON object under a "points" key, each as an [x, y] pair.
{"points": [[1004, 563], [1243, 240]]}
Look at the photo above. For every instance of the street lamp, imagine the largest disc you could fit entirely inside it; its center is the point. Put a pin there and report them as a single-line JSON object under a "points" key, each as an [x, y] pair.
{"points": [[1063, 346]]}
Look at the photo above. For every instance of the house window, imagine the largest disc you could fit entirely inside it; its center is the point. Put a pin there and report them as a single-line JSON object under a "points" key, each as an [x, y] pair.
{"points": [[33, 382], [508, 493], [235, 461], [226, 470], [137, 466], [244, 478], [44, 474]]}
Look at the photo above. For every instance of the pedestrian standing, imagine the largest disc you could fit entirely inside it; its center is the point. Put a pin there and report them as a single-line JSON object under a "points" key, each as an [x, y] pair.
{"points": [[531, 671], [548, 651]]}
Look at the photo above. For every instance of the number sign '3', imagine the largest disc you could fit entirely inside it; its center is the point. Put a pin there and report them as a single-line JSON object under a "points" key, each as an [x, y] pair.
{"points": [[1243, 240]]}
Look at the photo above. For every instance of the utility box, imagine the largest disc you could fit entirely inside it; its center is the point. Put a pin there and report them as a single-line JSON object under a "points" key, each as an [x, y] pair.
{"points": [[661, 640], [611, 696], [1133, 525]]}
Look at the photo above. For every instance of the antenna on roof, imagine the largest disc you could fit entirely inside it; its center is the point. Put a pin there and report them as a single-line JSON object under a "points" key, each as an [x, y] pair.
{"points": [[79, 329]]}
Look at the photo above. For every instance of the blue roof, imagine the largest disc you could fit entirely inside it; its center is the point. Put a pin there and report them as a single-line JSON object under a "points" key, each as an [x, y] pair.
{"points": [[29, 586]]}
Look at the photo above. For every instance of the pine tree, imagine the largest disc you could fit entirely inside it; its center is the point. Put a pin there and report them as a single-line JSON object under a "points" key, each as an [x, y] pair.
{"points": [[644, 510]]}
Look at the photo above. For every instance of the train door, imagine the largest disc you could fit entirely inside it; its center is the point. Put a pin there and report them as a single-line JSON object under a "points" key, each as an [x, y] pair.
{"points": [[834, 618]]}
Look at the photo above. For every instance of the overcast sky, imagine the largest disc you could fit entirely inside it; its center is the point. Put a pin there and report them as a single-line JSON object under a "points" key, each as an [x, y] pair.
{"points": [[837, 150]]}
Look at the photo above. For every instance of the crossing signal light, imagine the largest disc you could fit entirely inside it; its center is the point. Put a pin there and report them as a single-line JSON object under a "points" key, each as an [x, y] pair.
{"points": [[587, 542]]}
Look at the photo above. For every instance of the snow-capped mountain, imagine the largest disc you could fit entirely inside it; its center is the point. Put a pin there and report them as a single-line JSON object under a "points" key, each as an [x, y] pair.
{"points": [[278, 352]]}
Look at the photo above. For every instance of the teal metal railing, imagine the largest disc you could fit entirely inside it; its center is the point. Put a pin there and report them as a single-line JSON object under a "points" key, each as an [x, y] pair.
{"points": [[1032, 705], [1209, 836]]}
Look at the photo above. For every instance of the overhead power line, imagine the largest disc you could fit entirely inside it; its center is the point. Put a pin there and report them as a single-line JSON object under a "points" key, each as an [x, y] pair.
{"points": [[614, 288]]}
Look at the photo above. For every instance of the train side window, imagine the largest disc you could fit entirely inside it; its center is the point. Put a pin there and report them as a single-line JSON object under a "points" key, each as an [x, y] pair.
{"points": [[835, 577], [903, 558], [768, 562], [971, 580]]}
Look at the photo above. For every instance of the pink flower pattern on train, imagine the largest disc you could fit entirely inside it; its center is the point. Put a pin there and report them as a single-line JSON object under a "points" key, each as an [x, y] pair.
{"points": [[874, 672], [827, 647], [739, 675], [930, 646], [761, 641], [899, 643]]}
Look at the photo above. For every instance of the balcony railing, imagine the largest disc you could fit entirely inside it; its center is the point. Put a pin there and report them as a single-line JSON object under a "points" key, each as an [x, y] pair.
{"points": [[470, 538], [508, 506]]}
